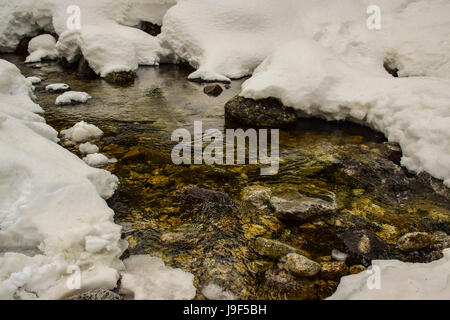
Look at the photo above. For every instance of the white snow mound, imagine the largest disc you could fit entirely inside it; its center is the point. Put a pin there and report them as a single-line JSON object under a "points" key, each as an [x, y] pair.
{"points": [[72, 97], [42, 47], [82, 132]]}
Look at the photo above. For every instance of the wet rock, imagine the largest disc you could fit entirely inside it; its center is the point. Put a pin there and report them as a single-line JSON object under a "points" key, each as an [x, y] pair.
{"points": [[357, 269], [284, 285], [214, 90], [96, 294], [84, 71], [207, 203], [253, 230], [156, 93], [363, 246], [259, 196], [274, 249], [440, 240], [333, 270], [22, 47], [414, 241], [150, 28], [265, 113], [172, 237], [394, 152], [296, 207], [300, 265], [120, 78]]}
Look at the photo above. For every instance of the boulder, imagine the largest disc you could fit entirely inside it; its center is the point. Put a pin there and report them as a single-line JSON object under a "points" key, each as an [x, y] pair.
{"points": [[363, 246], [214, 90], [300, 265], [414, 241], [120, 78]]}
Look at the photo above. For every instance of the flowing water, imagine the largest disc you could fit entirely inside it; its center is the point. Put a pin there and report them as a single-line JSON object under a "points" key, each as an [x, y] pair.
{"points": [[138, 121]]}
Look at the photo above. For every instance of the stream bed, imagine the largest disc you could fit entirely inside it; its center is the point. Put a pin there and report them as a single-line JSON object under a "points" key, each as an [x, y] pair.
{"points": [[217, 242]]}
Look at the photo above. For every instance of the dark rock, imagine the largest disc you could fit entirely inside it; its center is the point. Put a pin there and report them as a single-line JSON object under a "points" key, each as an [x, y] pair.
{"points": [[357, 269], [96, 294], [22, 47], [207, 203], [84, 71], [333, 270], [394, 152], [363, 246], [73, 65], [264, 113], [414, 241], [150, 28], [214, 90], [284, 285], [120, 78], [296, 207]]}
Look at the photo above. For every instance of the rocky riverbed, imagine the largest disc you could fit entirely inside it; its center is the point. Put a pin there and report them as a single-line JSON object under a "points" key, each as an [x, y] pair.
{"points": [[340, 200]]}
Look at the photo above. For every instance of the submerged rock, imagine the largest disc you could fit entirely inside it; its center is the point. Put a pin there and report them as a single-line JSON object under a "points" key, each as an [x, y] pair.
{"points": [[256, 195], [96, 294], [284, 285], [414, 241], [333, 270], [297, 207], [363, 246], [213, 90], [120, 78], [301, 266], [206, 202], [274, 249], [264, 113]]}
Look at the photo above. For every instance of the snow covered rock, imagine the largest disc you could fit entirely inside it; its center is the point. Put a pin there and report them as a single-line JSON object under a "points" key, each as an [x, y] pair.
{"points": [[97, 160], [82, 131], [214, 292], [57, 87], [88, 148], [147, 278], [72, 97], [34, 80], [396, 280], [51, 204], [42, 47]]}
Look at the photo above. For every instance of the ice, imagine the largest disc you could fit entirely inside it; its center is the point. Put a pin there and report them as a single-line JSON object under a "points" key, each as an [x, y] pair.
{"points": [[88, 148], [398, 281], [42, 47], [147, 278], [72, 97], [82, 132]]}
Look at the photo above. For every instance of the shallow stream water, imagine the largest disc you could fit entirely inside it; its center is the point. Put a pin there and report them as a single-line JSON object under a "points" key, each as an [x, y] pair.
{"points": [[138, 121]]}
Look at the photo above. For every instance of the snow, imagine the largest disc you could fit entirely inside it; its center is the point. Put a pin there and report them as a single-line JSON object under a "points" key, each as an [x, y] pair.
{"points": [[398, 281], [97, 160], [82, 132], [57, 87], [72, 97], [51, 206], [34, 80], [214, 292], [42, 47], [147, 278], [88, 148]]}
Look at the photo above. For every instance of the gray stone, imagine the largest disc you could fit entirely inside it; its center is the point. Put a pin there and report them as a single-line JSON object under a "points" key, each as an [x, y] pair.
{"points": [[301, 266]]}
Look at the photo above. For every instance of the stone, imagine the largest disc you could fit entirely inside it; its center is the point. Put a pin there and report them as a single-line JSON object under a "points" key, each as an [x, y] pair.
{"points": [[214, 90], [84, 71], [253, 230], [22, 47], [263, 113], [207, 203], [414, 241], [333, 270], [363, 246], [96, 294], [120, 78], [150, 28], [300, 265], [284, 285], [172, 237], [259, 196], [274, 249], [357, 269], [296, 207]]}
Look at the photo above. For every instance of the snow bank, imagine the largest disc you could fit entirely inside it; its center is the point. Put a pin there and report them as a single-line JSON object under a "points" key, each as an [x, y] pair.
{"points": [[42, 47], [147, 278], [88, 148], [82, 132], [52, 206], [399, 281], [72, 97]]}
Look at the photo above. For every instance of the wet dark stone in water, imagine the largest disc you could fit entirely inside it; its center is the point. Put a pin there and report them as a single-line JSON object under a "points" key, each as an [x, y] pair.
{"points": [[213, 90], [121, 78], [363, 246], [84, 71], [96, 294], [150, 28], [263, 113], [206, 202], [22, 47], [284, 285]]}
